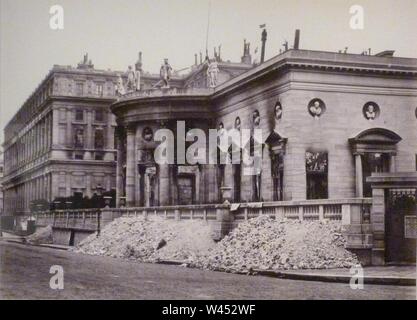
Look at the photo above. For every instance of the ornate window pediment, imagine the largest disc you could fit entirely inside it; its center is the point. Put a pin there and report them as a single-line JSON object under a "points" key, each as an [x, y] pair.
{"points": [[375, 140]]}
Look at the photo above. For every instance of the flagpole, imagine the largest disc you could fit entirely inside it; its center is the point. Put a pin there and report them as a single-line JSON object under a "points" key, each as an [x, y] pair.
{"points": [[208, 26]]}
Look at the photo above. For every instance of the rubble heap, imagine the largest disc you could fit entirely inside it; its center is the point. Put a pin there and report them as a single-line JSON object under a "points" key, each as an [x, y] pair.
{"points": [[260, 243], [150, 240], [263, 243]]}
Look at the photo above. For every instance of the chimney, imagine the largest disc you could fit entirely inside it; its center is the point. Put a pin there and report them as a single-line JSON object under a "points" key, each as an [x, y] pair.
{"points": [[138, 65], [246, 58], [201, 58], [285, 44], [264, 34], [297, 39], [195, 59]]}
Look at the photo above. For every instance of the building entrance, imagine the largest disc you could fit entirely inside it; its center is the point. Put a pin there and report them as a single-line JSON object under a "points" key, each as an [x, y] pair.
{"points": [[399, 203]]}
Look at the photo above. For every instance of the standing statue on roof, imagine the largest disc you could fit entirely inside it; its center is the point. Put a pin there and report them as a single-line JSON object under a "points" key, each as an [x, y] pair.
{"points": [[212, 72], [131, 80], [165, 74], [120, 89]]}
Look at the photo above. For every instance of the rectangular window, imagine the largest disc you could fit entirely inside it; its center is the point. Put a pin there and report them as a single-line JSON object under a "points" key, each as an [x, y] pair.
{"points": [[99, 156], [99, 115], [316, 170], [79, 115], [237, 173], [99, 138], [79, 138], [99, 89], [79, 156], [79, 89], [277, 171]]}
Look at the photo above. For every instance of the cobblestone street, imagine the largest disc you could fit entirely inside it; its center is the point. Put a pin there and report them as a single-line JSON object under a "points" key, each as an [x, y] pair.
{"points": [[24, 274]]}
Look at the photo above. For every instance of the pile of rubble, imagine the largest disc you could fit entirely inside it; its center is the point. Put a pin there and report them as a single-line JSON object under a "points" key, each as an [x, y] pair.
{"points": [[260, 243], [263, 243], [150, 240]]}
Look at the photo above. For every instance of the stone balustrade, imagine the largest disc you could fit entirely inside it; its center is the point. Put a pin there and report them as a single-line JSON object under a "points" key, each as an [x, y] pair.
{"points": [[353, 214], [163, 92], [81, 219]]}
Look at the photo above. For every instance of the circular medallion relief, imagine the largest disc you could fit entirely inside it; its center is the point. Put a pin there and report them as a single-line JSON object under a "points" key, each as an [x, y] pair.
{"points": [[278, 110], [316, 108], [256, 118], [370, 111], [237, 123]]}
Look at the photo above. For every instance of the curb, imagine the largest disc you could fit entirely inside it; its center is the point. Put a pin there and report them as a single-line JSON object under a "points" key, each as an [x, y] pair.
{"points": [[51, 246], [382, 280]]}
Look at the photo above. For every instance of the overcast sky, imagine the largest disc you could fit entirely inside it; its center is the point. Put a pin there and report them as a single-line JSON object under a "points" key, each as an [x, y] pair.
{"points": [[112, 32]]}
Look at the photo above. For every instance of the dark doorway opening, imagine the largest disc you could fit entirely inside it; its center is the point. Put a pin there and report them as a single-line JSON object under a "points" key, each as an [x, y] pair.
{"points": [[399, 203], [373, 163]]}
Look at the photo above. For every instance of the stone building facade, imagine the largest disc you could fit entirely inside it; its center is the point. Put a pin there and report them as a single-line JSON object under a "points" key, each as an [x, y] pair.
{"points": [[1, 185], [328, 120], [61, 141]]}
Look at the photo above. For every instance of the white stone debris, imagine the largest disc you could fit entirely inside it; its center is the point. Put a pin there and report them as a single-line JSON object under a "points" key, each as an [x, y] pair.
{"points": [[150, 240], [259, 243], [265, 244]]}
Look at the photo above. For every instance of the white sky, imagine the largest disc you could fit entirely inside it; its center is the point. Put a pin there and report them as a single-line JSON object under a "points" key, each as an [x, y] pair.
{"points": [[113, 32]]}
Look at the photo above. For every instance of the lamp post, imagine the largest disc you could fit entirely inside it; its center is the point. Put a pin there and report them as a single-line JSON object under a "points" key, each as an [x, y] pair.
{"points": [[100, 189]]}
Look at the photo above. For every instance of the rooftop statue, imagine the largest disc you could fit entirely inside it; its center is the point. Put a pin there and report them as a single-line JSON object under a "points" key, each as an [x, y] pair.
{"points": [[120, 89], [131, 80], [165, 74], [85, 64], [212, 72]]}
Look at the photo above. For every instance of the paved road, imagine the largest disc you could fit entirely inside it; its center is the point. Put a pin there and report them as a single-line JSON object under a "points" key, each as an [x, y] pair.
{"points": [[24, 274]]}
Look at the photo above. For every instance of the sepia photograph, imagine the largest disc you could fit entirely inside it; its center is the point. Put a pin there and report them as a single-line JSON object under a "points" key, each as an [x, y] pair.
{"points": [[214, 156]]}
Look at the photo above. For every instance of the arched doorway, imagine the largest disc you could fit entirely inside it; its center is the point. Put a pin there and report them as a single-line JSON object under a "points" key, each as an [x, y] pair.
{"points": [[374, 151]]}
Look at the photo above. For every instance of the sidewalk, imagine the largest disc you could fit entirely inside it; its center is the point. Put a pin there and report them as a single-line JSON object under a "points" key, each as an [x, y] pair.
{"points": [[385, 275]]}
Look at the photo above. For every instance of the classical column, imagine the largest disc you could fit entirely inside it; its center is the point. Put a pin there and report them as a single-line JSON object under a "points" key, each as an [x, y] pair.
{"points": [[45, 187], [119, 167], [130, 166], [54, 185], [229, 180], [138, 148], [359, 175], [55, 127], [209, 173], [392, 167], [164, 185]]}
